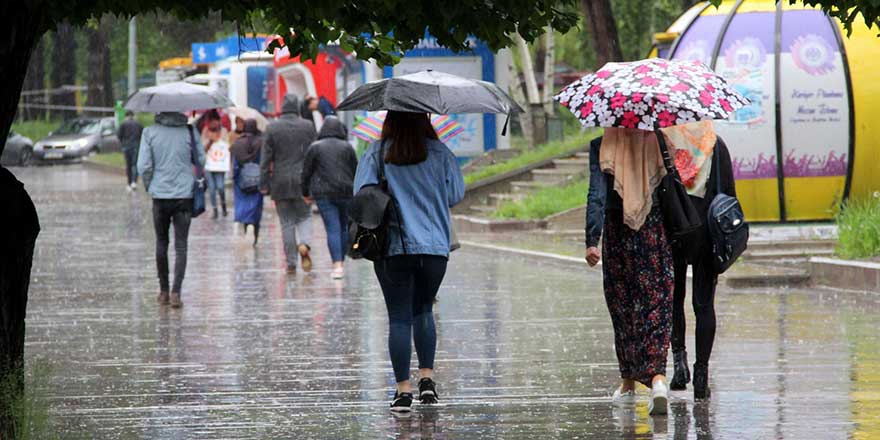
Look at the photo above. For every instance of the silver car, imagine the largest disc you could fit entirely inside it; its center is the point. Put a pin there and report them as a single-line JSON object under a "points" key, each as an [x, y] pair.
{"points": [[78, 138]]}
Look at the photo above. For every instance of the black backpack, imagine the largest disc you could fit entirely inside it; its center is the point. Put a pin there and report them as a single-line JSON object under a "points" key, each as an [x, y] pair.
{"points": [[369, 212], [728, 230]]}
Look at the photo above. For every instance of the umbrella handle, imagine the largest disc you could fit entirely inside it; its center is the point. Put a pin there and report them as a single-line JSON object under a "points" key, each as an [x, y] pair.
{"points": [[504, 129]]}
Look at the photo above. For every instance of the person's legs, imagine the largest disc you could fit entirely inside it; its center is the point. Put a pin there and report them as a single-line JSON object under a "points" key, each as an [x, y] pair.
{"points": [[182, 217], [212, 189], [287, 217], [220, 187], [682, 374], [428, 277], [130, 165], [705, 281], [342, 207], [615, 278], [161, 223], [330, 217], [303, 225], [396, 277]]}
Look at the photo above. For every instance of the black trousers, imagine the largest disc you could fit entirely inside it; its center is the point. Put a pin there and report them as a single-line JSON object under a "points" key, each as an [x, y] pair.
{"points": [[703, 299], [167, 212], [131, 164]]}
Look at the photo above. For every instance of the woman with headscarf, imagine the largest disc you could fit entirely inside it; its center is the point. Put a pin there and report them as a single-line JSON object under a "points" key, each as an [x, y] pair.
{"points": [[248, 199], [701, 158], [626, 168]]}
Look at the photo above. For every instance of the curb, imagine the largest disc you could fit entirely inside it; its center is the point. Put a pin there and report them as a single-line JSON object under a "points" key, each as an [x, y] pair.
{"points": [[532, 254], [103, 167], [861, 276]]}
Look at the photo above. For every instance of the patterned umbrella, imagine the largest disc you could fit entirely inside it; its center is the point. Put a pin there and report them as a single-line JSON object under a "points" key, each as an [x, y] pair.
{"points": [[650, 94], [370, 129]]}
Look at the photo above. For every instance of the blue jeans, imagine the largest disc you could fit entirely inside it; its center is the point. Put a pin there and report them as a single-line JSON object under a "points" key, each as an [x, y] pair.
{"points": [[334, 212], [216, 181], [409, 285]]}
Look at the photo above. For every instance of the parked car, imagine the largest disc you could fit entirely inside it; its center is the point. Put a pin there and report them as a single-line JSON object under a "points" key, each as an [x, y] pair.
{"points": [[77, 138], [18, 151]]}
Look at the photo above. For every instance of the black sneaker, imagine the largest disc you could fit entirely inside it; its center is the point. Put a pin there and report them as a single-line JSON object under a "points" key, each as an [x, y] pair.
{"points": [[402, 402], [428, 391]]}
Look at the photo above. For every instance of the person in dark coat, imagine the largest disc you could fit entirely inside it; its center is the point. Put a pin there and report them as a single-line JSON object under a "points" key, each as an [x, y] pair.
{"points": [[130, 141], [246, 150], [281, 160], [705, 277], [328, 176]]}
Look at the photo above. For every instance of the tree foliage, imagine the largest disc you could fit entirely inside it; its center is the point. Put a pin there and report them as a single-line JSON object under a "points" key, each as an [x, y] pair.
{"points": [[373, 29]]}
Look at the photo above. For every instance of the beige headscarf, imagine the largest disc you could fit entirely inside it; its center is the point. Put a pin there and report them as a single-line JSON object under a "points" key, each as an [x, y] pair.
{"points": [[633, 158]]}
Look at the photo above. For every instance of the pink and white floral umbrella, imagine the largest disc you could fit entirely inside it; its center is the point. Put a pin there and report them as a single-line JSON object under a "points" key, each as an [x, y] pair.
{"points": [[650, 94]]}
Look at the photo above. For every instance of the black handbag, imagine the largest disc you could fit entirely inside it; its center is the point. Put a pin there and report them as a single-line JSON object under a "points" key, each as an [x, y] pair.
{"points": [[728, 229], [370, 212], [199, 183], [684, 227]]}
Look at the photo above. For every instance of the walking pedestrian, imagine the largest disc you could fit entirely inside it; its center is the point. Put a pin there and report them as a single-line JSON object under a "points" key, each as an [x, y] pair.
{"points": [[309, 107], [625, 170], [328, 178], [248, 199], [281, 161], [168, 151], [425, 181], [130, 140], [217, 164], [709, 160], [237, 131]]}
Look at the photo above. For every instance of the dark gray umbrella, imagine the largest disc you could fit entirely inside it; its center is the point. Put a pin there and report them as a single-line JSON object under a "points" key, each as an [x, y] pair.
{"points": [[176, 97], [431, 92]]}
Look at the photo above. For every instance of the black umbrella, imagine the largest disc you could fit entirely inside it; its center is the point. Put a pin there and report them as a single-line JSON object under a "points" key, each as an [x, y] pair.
{"points": [[431, 92]]}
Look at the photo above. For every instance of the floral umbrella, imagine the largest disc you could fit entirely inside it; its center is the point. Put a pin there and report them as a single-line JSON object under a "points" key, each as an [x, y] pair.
{"points": [[650, 94]]}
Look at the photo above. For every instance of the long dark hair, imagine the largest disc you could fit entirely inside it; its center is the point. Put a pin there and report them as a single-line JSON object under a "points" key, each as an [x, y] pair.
{"points": [[407, 134]]}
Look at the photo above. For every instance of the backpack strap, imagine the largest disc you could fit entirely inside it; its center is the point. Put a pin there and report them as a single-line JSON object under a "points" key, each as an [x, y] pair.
{"points": [[384, 181], [717, 165], [194, 154]]}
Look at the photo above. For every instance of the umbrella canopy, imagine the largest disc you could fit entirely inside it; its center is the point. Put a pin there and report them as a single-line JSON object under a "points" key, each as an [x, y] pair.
{"points": [[650, 94], [370, 129], [249, 113], [176, 97], [431, 92]]}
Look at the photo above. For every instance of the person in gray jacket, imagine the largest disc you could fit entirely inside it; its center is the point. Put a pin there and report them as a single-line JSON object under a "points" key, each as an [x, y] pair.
{"points": [[169, 149], [281, 162]]}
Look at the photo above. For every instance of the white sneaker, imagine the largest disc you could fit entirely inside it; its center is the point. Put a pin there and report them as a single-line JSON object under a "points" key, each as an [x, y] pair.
{"points": [[659, 404], [134, 186], [338, 274], [129, 188], [623, 397]]}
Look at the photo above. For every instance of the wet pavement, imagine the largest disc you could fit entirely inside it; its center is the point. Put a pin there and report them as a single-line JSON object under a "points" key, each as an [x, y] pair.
{"points": [[525, 348]]}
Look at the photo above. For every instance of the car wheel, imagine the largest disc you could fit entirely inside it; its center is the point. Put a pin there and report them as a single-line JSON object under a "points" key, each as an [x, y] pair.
{"points": [[25, 156]]}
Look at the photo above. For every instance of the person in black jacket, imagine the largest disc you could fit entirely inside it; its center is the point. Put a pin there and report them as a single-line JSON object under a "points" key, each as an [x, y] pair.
{"points": [[130, 139], [327, 177], [704, 281]]}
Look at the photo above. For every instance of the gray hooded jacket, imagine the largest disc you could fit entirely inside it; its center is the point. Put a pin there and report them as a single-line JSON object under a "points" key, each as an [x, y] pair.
{"points": [[330, 163], [165, 158], [284, 150]]}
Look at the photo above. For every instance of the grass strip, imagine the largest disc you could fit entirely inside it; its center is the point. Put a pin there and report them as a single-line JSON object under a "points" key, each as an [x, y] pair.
{"points": [[545, 202], [858, 228]]}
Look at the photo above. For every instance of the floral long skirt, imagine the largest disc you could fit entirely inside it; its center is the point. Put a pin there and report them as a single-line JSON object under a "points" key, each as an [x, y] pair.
{"points": [[638, 279]]}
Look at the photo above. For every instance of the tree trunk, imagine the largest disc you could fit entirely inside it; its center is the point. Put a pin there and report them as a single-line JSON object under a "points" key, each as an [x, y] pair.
{"points": [[35, 81], [549, 71], [537, 135], [63, 70], [525, 118], [603, 30], [100, 87], [22, 26]]}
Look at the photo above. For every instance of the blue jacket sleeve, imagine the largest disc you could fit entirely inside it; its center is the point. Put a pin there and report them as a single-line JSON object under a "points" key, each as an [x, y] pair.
{"points": [[596, 197], [366, 173], [454, 181]]}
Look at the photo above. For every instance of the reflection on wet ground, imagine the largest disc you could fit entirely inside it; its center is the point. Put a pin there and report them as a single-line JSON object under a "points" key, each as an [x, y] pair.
{"points": [[525, 348]]}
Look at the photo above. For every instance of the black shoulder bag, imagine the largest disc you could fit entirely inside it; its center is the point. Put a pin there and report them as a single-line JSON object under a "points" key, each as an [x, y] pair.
{"points": [[684, 227], [369, 212], [728, 230]]}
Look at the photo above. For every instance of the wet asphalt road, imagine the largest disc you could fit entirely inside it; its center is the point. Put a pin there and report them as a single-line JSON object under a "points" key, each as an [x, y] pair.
{"points": [[525, 348]]}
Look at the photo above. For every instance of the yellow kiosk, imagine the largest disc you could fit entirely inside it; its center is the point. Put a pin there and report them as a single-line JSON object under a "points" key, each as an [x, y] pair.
{"points": [[811, 137]]}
